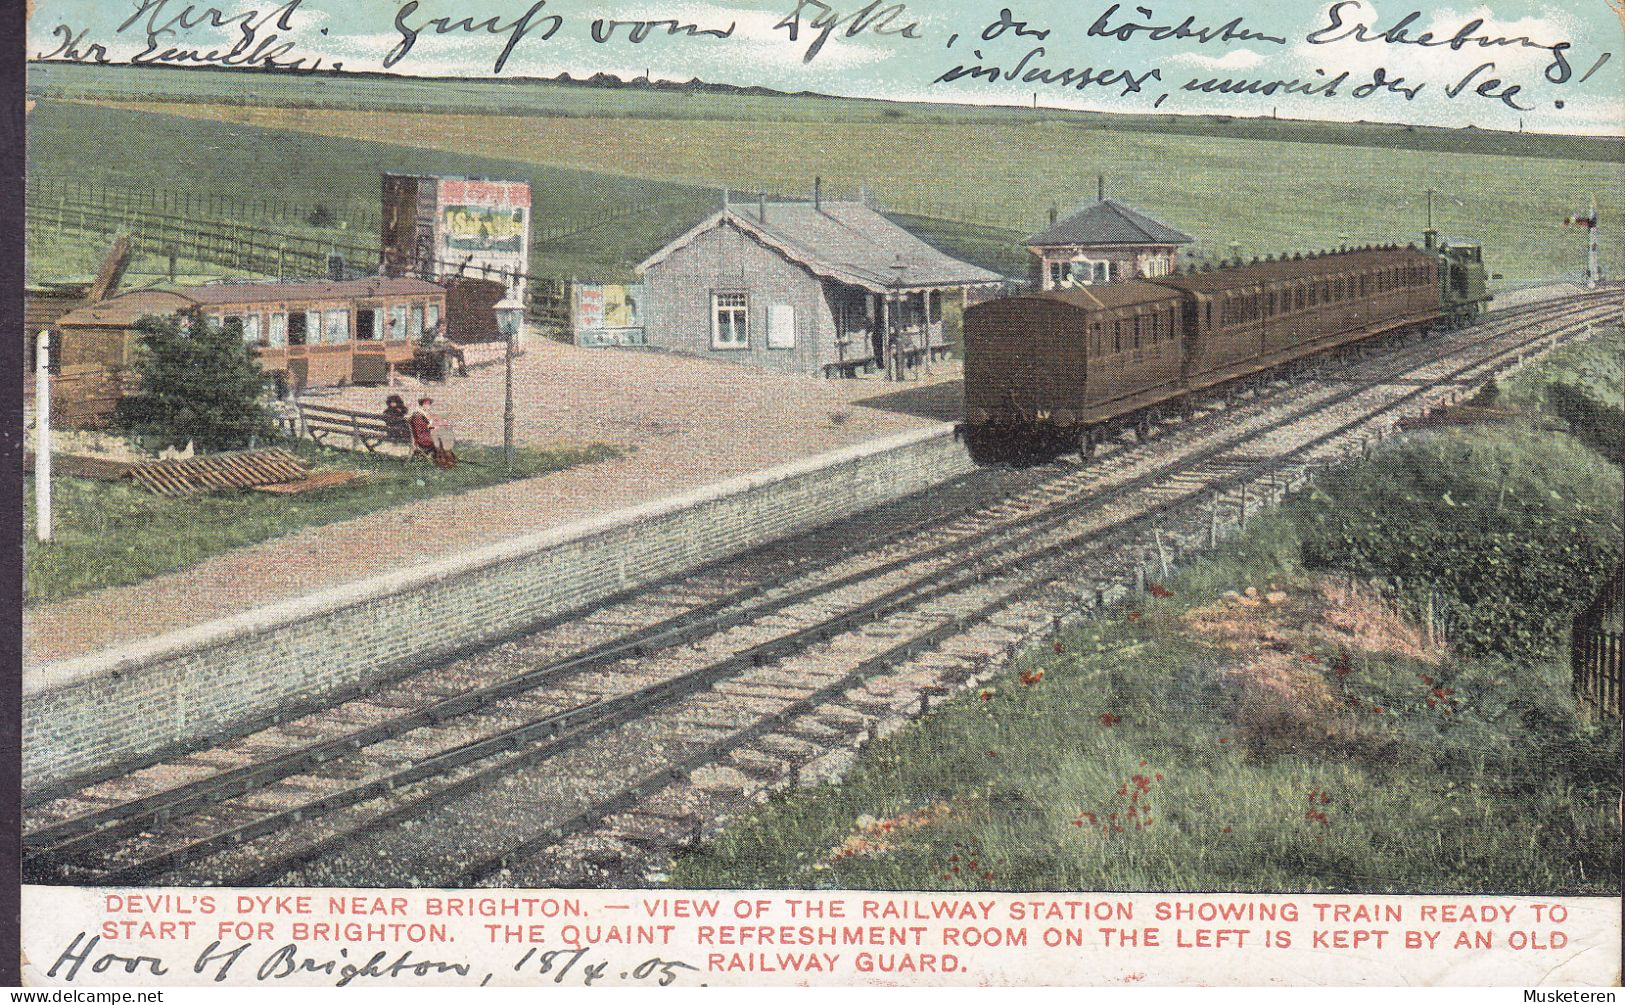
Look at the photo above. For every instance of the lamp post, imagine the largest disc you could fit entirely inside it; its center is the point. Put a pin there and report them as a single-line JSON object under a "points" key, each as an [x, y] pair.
{"points": [[510, 315]]}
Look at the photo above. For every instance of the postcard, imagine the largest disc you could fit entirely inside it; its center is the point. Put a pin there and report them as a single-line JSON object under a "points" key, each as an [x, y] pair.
{"points": [[791, 492]]}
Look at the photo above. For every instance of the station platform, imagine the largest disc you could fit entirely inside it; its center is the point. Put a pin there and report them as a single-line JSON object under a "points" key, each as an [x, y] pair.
{"points": [[684, 423]]}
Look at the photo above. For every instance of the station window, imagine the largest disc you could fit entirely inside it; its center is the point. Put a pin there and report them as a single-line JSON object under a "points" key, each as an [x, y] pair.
{"points": [[397, 323], [366, 324], [414, 323], [298, 328], [1094, 337], [251, 330], [1117, 336], [730, 321], [277, 336], [431, 317], [233, 324]]}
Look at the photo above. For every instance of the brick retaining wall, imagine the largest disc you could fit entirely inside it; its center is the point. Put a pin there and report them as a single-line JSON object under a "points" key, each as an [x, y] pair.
{"points": [[85, 716]]}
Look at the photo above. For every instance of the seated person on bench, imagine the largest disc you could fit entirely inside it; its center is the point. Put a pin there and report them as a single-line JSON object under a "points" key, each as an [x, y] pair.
{"points": [[395, 420], [431, 436]]}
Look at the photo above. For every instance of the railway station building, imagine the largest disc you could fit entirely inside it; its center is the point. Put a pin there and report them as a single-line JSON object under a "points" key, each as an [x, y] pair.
{"points": [[802, 287], [1104, 242]]}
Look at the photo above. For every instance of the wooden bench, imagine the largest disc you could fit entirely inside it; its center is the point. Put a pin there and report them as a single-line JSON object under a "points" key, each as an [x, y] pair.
{"points": [[365, 429]]}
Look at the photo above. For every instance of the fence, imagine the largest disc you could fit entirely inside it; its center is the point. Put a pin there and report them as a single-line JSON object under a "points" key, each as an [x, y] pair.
{"points": [[200, 205], [1594, 649], [347, 217]]}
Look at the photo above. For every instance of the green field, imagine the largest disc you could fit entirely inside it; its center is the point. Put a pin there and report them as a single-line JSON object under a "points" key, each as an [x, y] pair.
{"points": [[987, 177], [528, 97]]}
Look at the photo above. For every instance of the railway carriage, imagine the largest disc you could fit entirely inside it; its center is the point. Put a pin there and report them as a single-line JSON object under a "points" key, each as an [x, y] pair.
{"points": [[1058, 370], [1085, 356]]}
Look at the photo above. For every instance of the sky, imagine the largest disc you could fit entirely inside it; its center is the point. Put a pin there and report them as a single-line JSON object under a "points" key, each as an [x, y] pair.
{"points": [[1040, 50]]}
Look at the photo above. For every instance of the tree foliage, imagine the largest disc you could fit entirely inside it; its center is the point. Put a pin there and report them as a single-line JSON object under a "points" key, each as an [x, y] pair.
{"points": [[197, 382]]}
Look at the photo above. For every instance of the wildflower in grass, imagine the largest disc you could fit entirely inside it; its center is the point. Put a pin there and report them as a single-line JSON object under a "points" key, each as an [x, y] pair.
{"points": [[1224, 739], [1058, 647], [1031, 677], [1377, 710], [1318, 798], [1134, 615], [987, 694], [1225, 831], [1108, 719], [1160, 591]]}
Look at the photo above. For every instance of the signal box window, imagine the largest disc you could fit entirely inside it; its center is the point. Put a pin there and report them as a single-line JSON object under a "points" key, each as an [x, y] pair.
{"points": [[730, 321]]}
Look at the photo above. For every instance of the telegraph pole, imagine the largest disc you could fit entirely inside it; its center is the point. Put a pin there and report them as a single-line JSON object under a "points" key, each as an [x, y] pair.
{"points": [[42, 438]]}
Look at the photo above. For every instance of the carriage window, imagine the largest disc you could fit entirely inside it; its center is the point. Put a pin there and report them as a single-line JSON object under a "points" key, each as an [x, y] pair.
{"points": [[338, 327]]}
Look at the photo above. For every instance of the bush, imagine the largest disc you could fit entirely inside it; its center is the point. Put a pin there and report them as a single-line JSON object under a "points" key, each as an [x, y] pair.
{"points": [[198, 383], [1597, 425], [1511, 532]]}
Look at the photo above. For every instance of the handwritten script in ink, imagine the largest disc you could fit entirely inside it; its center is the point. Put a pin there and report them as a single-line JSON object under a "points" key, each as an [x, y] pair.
{"points": [[1119, 56]]}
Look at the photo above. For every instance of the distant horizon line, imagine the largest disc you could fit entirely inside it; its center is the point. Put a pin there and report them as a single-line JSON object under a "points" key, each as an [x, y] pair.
{"points": [[565, 78]]}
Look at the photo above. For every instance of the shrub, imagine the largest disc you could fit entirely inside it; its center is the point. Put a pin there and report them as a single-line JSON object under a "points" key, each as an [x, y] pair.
{"points": [[1597, 425], [198, 382], [1510, 532]]}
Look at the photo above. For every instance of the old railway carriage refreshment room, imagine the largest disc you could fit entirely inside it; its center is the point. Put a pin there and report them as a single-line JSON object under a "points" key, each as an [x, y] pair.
{"points": [[306, 334]]}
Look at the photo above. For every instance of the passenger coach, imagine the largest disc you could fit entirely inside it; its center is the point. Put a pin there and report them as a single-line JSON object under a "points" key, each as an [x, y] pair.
{"points": [[1066, 368]]}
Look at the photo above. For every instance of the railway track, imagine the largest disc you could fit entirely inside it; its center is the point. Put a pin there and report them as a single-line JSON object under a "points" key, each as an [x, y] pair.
{"points": [[784, 637]]}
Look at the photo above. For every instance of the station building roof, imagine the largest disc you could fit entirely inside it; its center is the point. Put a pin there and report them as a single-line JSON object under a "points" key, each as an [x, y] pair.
{"points": [[844, 241]]}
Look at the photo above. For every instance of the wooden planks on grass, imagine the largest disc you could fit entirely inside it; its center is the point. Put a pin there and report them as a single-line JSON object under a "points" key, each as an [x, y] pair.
{"points": [[241, 469]]}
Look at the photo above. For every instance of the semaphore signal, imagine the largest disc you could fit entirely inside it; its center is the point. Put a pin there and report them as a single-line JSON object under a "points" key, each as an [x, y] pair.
{"points": [[1594, 255]]}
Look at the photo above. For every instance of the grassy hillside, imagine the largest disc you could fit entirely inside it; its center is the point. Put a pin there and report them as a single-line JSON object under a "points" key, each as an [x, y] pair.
{"points": [[671, 101], [1264, 196], [240, 163]]}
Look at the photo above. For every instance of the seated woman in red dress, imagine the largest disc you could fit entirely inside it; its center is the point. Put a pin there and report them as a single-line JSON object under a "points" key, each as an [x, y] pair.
{"points": [[424, 436]]}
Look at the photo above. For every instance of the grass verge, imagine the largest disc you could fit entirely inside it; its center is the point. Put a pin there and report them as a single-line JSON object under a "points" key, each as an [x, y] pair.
{"points": [[1261, 725], [117, 533]]}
